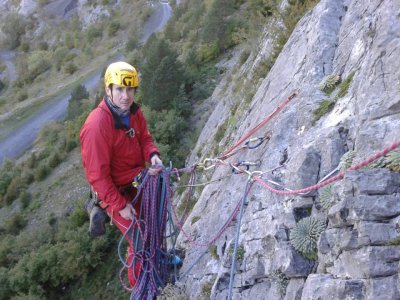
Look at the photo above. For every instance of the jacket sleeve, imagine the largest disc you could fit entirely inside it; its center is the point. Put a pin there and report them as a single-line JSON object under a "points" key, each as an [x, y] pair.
{"points": [[96, 150], [146, 140]]}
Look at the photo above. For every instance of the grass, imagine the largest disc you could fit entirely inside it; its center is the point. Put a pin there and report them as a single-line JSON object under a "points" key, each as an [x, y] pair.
{"points": [[195, 219], [344, 86], [327, 105], [324, 107]]}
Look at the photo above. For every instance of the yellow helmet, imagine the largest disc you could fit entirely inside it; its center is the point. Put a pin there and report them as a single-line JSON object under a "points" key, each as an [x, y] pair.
{"points": [[122, 74]]}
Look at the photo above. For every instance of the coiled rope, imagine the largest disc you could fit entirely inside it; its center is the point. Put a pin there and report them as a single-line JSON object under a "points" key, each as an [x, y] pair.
{"points": [[148, 233]]}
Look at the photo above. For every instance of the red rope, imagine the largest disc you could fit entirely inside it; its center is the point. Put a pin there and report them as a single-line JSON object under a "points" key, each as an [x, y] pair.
{"points": [[262, 123], [333, 179]]}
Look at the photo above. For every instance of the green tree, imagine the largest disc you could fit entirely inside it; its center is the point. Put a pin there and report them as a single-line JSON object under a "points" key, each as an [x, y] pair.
{"points": [[162, 75], [13, 28], [74, 107]]}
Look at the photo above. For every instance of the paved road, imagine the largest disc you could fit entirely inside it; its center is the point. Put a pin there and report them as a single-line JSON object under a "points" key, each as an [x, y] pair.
{"points": [[157, 21], [22, 138]]}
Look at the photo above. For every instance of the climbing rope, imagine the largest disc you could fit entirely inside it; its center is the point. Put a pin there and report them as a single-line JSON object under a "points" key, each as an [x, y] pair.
{"points": [[280, 107], [332, 179], [148, 234], [236, 245]]}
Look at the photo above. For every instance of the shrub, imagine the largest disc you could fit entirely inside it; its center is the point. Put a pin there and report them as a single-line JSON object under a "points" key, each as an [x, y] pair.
{"points": [[79, 216], [15, 223], [54, 159], [71, 68], [38, 62], [25, 198], [207, 52], [244, 56], [41, 172], [113, 27], [13, 27], [14, 189], [94, 32]]}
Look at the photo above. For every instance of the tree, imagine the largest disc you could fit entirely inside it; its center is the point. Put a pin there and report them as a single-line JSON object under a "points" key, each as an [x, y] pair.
{"points": [[13, 27], [75, 102], [162, 75]]}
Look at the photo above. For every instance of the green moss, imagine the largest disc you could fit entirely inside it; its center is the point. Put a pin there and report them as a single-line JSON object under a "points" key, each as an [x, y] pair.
{"points": [[221, 131], [344, 86], [195, 219], [206, 288], [324, 107], [239, 254], [395, 242], [213, 252]]}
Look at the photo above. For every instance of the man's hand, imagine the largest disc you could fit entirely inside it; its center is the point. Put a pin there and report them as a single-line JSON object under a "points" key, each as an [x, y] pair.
{"points": [[127, 212], [156, 163]]}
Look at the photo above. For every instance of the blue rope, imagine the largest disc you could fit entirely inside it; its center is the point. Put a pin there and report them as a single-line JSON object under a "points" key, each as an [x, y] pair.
{"points": [[148, 235], [233, 266]]}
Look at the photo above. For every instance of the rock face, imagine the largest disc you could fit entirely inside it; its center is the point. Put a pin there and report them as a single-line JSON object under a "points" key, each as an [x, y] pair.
{"points": [[359, 251]]}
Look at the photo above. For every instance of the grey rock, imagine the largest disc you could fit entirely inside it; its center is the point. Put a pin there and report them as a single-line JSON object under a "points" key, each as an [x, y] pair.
{"points": [[376, 233], [323, 287], [367, 262], [386, 288], [294, 289], [374, 182]]}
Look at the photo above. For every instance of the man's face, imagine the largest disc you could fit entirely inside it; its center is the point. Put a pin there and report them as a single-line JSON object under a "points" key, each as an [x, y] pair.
{"points": [[121, 96]]}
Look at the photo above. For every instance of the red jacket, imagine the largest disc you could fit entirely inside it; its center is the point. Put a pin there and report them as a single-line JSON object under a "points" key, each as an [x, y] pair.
{"points": [[110, 157]]}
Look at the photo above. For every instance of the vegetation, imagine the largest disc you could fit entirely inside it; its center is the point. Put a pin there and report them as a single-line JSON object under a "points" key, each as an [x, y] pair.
{"points": [[213, 252], [329, 85], [281, 281], [304, 236]]}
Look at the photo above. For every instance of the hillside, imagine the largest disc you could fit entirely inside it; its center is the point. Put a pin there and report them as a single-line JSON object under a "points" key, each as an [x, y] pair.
{"points": [[218, 69]]}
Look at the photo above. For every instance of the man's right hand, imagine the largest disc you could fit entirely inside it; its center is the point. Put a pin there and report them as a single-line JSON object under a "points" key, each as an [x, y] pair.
{"points": [[127, 212]]}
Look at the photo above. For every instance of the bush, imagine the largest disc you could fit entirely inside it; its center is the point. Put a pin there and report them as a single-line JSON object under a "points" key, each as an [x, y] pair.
{"points": [[113, 27], [54, 159], [14, 189], [25, 199], [93, 32], [41, 172], [207, 52], [15, 223], [75, 102], [13, 28]]}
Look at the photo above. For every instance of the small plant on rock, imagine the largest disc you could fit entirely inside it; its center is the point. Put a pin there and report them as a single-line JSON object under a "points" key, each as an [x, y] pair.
{"points": [[281, 281], [347, 160], [304, 236], [392, 160], [325, 195], [329, 83]]}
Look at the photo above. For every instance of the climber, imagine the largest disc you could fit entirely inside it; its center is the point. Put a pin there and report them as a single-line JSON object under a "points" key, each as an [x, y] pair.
{"points": [[115, 145]]}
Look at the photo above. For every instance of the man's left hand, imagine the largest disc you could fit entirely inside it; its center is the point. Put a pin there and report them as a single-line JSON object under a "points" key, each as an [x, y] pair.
{"points": [[156, 163]]}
